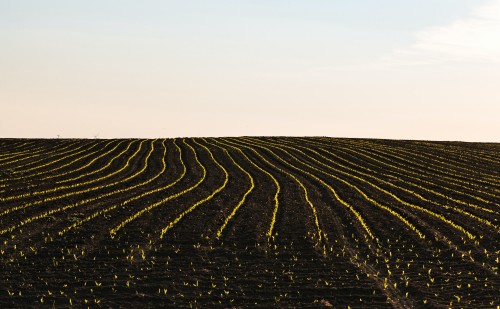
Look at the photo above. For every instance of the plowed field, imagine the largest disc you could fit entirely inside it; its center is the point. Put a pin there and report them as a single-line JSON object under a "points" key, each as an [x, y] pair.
{"points": [[249, 222]]}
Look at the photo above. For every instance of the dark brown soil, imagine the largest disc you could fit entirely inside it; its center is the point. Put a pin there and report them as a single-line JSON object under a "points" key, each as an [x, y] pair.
{"points": [[359, 223]]}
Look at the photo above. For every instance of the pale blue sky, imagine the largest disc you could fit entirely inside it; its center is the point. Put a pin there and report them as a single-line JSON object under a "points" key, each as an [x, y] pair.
{"points": [[390, 69]]}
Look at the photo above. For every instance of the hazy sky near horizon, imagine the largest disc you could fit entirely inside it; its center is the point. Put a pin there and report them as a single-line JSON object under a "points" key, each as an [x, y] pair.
{"points": [[427, 69]]}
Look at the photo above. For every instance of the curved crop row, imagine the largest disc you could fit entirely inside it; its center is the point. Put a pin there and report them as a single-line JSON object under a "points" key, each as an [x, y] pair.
{"points": [[441, 217], [349, 249], [127, 189], [83, 202], [406, 182], [49, 159], [291, 222], [425, 210], [272, 224], [240, 203], [86, 175], [488, 156], [428, 168], [154, 205], [74, 193], [206, 199], [52, 162], [39, 152], [404, 171]]}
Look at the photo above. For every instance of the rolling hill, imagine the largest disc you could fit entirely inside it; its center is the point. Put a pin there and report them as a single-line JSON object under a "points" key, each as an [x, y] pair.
{"points": [[249, 222]]}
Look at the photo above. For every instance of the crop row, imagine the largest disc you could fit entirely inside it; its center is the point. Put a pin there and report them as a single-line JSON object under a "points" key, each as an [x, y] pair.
{"points": [[408, 221]]}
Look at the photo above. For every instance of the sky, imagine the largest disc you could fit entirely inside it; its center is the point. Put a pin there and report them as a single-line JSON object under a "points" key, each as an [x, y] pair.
{"points": [[426, 70]]}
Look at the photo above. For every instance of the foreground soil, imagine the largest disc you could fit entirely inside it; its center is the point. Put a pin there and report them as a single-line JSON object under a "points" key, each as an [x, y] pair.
{"points": [[249, 222]]}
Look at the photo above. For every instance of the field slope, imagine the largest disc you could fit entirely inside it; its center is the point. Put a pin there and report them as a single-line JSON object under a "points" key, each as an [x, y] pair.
{"points": [[249, 222]]}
